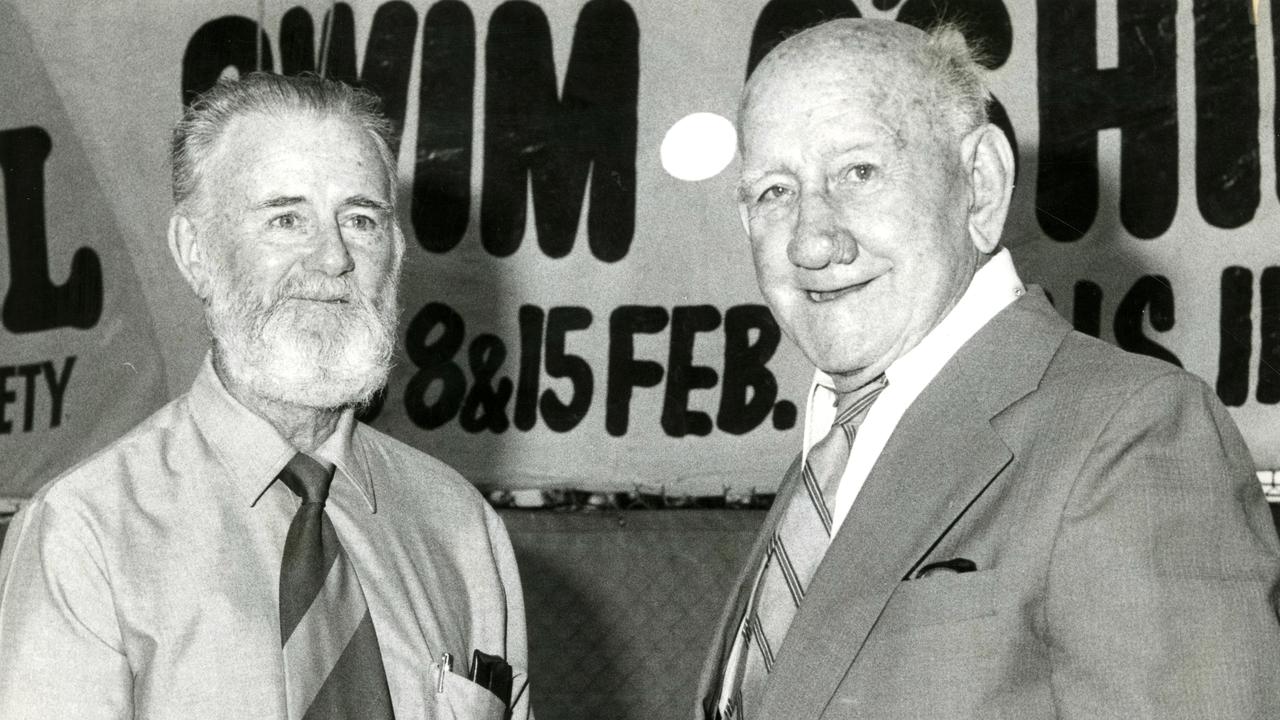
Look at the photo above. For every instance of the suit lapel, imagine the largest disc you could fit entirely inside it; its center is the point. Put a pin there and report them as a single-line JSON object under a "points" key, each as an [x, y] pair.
{"points": [[941, 457]]}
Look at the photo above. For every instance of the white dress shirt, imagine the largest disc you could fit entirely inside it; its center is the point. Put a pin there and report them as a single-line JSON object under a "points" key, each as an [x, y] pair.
{"points": [[992, 289]]}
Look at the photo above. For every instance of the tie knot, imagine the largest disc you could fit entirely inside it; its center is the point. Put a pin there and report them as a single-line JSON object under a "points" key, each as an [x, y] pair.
{"points": [[308, 478], [852, 407]]}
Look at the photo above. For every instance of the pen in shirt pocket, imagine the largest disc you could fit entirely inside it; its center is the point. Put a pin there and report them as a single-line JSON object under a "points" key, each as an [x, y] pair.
{"points": [[446, 666]]}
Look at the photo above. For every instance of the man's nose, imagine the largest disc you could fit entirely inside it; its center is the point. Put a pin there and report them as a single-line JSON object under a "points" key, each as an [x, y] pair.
{"points": [[330, 255], [820, 238]]}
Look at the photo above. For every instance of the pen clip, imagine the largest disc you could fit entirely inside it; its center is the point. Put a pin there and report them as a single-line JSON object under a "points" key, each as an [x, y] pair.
{"points": [[446, 665]]}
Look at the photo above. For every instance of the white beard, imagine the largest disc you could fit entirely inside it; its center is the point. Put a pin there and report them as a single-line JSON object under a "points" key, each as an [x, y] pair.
{"points": [[323, 355]]}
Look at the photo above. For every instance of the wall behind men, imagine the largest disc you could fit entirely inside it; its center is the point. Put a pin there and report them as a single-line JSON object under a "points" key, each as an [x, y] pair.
{"points": [[574, 316]]}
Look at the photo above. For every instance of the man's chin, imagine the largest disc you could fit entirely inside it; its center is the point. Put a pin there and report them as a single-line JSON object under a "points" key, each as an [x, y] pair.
{"points": [[319, 391], [842, 361], [299, 352], [289, 377]]}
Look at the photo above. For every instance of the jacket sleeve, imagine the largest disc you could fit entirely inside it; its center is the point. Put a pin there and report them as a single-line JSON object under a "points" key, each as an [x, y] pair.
{"points": [[1162, 583]]}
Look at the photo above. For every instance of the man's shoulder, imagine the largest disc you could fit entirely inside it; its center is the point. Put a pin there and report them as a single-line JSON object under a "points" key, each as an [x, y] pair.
{"points": [[134, 456], [1031, 333], [1087, 361], [1093, 379]]}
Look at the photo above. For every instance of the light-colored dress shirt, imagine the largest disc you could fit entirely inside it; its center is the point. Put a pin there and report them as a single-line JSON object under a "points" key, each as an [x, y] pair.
{"points": [[144, 582], [993, 288]]}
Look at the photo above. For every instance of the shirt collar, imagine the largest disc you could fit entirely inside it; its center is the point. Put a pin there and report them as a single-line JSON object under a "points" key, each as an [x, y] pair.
{"points": [[254, 451], [340, 449], [993, 287]]}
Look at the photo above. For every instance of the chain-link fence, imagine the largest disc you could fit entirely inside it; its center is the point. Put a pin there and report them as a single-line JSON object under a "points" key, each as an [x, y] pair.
{"points": [[622, 606]]}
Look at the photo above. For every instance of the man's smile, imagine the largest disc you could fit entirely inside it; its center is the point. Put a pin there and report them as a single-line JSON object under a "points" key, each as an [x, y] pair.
{"points": [[822, 296]]}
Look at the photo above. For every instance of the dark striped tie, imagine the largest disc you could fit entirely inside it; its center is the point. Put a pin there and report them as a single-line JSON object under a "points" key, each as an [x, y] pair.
{"points": [[798, 544], [332, 663]]}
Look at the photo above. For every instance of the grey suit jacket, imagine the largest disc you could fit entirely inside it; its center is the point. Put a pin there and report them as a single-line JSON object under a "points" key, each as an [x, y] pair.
{"points": [[1127, 566]]}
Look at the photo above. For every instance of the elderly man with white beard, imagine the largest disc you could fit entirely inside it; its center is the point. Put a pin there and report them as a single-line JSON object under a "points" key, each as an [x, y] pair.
{"points": [[252, 550]]}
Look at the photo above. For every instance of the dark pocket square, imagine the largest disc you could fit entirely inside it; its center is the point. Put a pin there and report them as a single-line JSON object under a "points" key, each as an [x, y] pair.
{"points": [[955, 565]]}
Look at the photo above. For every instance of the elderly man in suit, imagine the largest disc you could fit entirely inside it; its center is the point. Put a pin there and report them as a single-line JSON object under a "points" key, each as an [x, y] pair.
{"points": [[251, 550], [993, 515]]}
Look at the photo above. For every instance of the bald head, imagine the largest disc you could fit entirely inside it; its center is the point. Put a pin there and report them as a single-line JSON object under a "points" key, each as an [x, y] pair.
{"points": [[931, 80]]}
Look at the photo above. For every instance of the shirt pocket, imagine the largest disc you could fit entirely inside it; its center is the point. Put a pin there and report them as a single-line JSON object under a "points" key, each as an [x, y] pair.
{"points": [[940, 598], [454, 697]]}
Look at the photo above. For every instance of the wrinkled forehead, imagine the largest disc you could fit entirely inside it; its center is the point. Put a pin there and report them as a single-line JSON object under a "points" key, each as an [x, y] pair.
{"points": [[797, 97], [882, 42], [873, 66], [293, 129]]}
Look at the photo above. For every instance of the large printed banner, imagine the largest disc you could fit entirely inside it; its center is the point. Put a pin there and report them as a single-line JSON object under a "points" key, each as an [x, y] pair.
{"points": [[575, 316]]}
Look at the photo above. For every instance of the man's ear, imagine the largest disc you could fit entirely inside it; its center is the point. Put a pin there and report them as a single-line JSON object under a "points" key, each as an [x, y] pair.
{"points": [[988, 159], [189, 253], [397, 247]]}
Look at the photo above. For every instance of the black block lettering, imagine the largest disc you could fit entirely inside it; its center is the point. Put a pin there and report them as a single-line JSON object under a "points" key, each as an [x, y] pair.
{"points": [[486, 405], [626, 372], [556, 143], [1151, 297], [58, 388], [228, 41], [1086, 308], [1227, 174], [388, 53], [1077, 100], [780, 19], [526, 411], [1268, 392], [749, 389], [7, 397], [338, 43], [33, 302], [1235, 336], [388, 61], [30, 373], [435, 365], [683, 376], [560, 416], [1275, 109], [442, 166], [297, 42]]}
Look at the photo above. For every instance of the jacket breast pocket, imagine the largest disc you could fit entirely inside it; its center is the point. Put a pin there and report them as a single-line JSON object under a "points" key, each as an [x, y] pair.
{"points": [[454, 697], [940, 598]]}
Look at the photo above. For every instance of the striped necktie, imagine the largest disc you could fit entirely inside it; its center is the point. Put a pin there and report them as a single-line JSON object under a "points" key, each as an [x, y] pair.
{"points": [[798, 544], [332, 663]]}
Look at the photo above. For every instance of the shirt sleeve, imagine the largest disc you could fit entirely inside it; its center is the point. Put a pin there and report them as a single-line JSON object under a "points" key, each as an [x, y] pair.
{"points": [[1164, 576], [517, 635], [61, 650]]}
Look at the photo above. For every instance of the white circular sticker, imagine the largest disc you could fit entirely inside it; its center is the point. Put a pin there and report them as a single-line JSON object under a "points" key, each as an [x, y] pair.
{"points": [[698, 146]]}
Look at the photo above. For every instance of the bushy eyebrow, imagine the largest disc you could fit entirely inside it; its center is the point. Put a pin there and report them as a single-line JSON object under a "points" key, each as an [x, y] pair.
{"points": [[280, 201], [746, 185], [359, 201], [364, 201], [840, 148]]}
